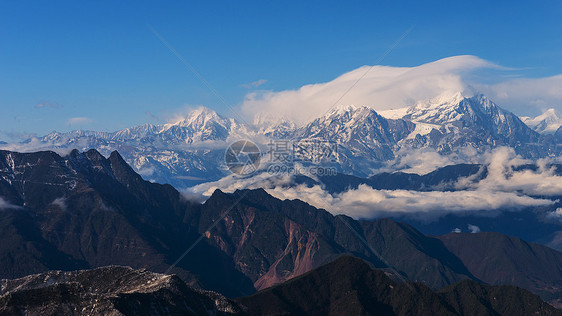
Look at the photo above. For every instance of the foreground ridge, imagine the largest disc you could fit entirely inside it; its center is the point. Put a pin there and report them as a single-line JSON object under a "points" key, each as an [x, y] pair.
{"points": [[111, 290], [348, 286]]}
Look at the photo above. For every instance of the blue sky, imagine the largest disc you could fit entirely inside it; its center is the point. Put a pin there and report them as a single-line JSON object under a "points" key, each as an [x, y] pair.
{"points": [[96, 65]]}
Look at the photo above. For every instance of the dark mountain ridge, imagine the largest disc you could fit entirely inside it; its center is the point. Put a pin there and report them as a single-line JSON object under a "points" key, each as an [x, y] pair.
{"points": [[348, 286], [85, 211], [501, 259], [109, 290]]}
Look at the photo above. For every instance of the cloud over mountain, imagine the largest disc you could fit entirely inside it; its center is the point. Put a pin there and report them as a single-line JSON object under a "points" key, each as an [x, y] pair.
{"points": [[521, 93], [380, 87], [503, 175], [385, 87]]}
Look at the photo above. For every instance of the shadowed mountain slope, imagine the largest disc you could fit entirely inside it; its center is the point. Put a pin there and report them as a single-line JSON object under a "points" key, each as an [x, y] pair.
{"points": [[348, 286], [500, 259], [85, 211]]}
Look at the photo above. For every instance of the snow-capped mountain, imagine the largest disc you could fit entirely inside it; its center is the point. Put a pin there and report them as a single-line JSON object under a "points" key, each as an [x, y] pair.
{"points": [[439, 110], [191, 150], [188, 151], [547, 123], [478, 113], [452, 121], [274, 126], [360, 130], [200, 125], [136, 132]]}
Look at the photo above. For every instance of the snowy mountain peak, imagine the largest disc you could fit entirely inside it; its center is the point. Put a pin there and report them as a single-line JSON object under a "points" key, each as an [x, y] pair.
{"points": [[447, 99], [270, 119], [136, 132], [274, 125], [347, 112], [342, 108], [546, 123], [200, 118], [447, 108], [460, 121], [192, 147]]}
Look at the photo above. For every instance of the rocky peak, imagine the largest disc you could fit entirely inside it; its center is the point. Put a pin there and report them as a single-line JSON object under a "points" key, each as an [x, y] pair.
{"points": [[546, 123], [108, 290]]}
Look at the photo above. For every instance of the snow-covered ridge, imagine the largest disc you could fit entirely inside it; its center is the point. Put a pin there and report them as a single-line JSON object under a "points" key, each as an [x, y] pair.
{"points": [[546, 123], [273, 125], [191, 149], [460, 116], [441, 110], [200, 125], [204, 124]]}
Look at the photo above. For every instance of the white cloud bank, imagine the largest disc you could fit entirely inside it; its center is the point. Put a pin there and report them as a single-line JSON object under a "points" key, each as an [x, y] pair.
{"points": [[503, 176], [556, 214], [517, 95], [385, 88], [366, 202], [425, 160], [502, 189], [5, 205]]}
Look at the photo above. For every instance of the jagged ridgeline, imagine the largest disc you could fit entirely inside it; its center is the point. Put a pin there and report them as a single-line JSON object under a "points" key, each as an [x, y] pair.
{"points": [[191, 150], [85, 211]]}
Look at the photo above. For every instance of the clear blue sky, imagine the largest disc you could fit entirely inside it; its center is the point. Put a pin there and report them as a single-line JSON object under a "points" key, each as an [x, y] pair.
{"points": [[99, 60]]}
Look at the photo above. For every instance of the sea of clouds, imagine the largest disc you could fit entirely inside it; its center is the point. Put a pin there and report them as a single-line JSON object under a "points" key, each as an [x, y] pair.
{"points": [[504, 187]]}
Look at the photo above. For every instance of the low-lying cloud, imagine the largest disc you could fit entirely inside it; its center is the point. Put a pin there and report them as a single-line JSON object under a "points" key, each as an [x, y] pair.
{"points": [[504, 188], [366, 202], [5, 205], [557, 214], [425, 160], [60, 203], [503, 175]]}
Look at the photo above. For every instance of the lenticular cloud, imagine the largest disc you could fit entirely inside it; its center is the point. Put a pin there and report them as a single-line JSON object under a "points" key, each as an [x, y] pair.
{"points": [[380, 87]]}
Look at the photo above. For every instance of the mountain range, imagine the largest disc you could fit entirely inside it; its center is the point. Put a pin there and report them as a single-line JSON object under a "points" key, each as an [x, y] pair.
{"points": [[548, 122], [83, 211], [346, 286], [191, 150], [531, 223]]}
